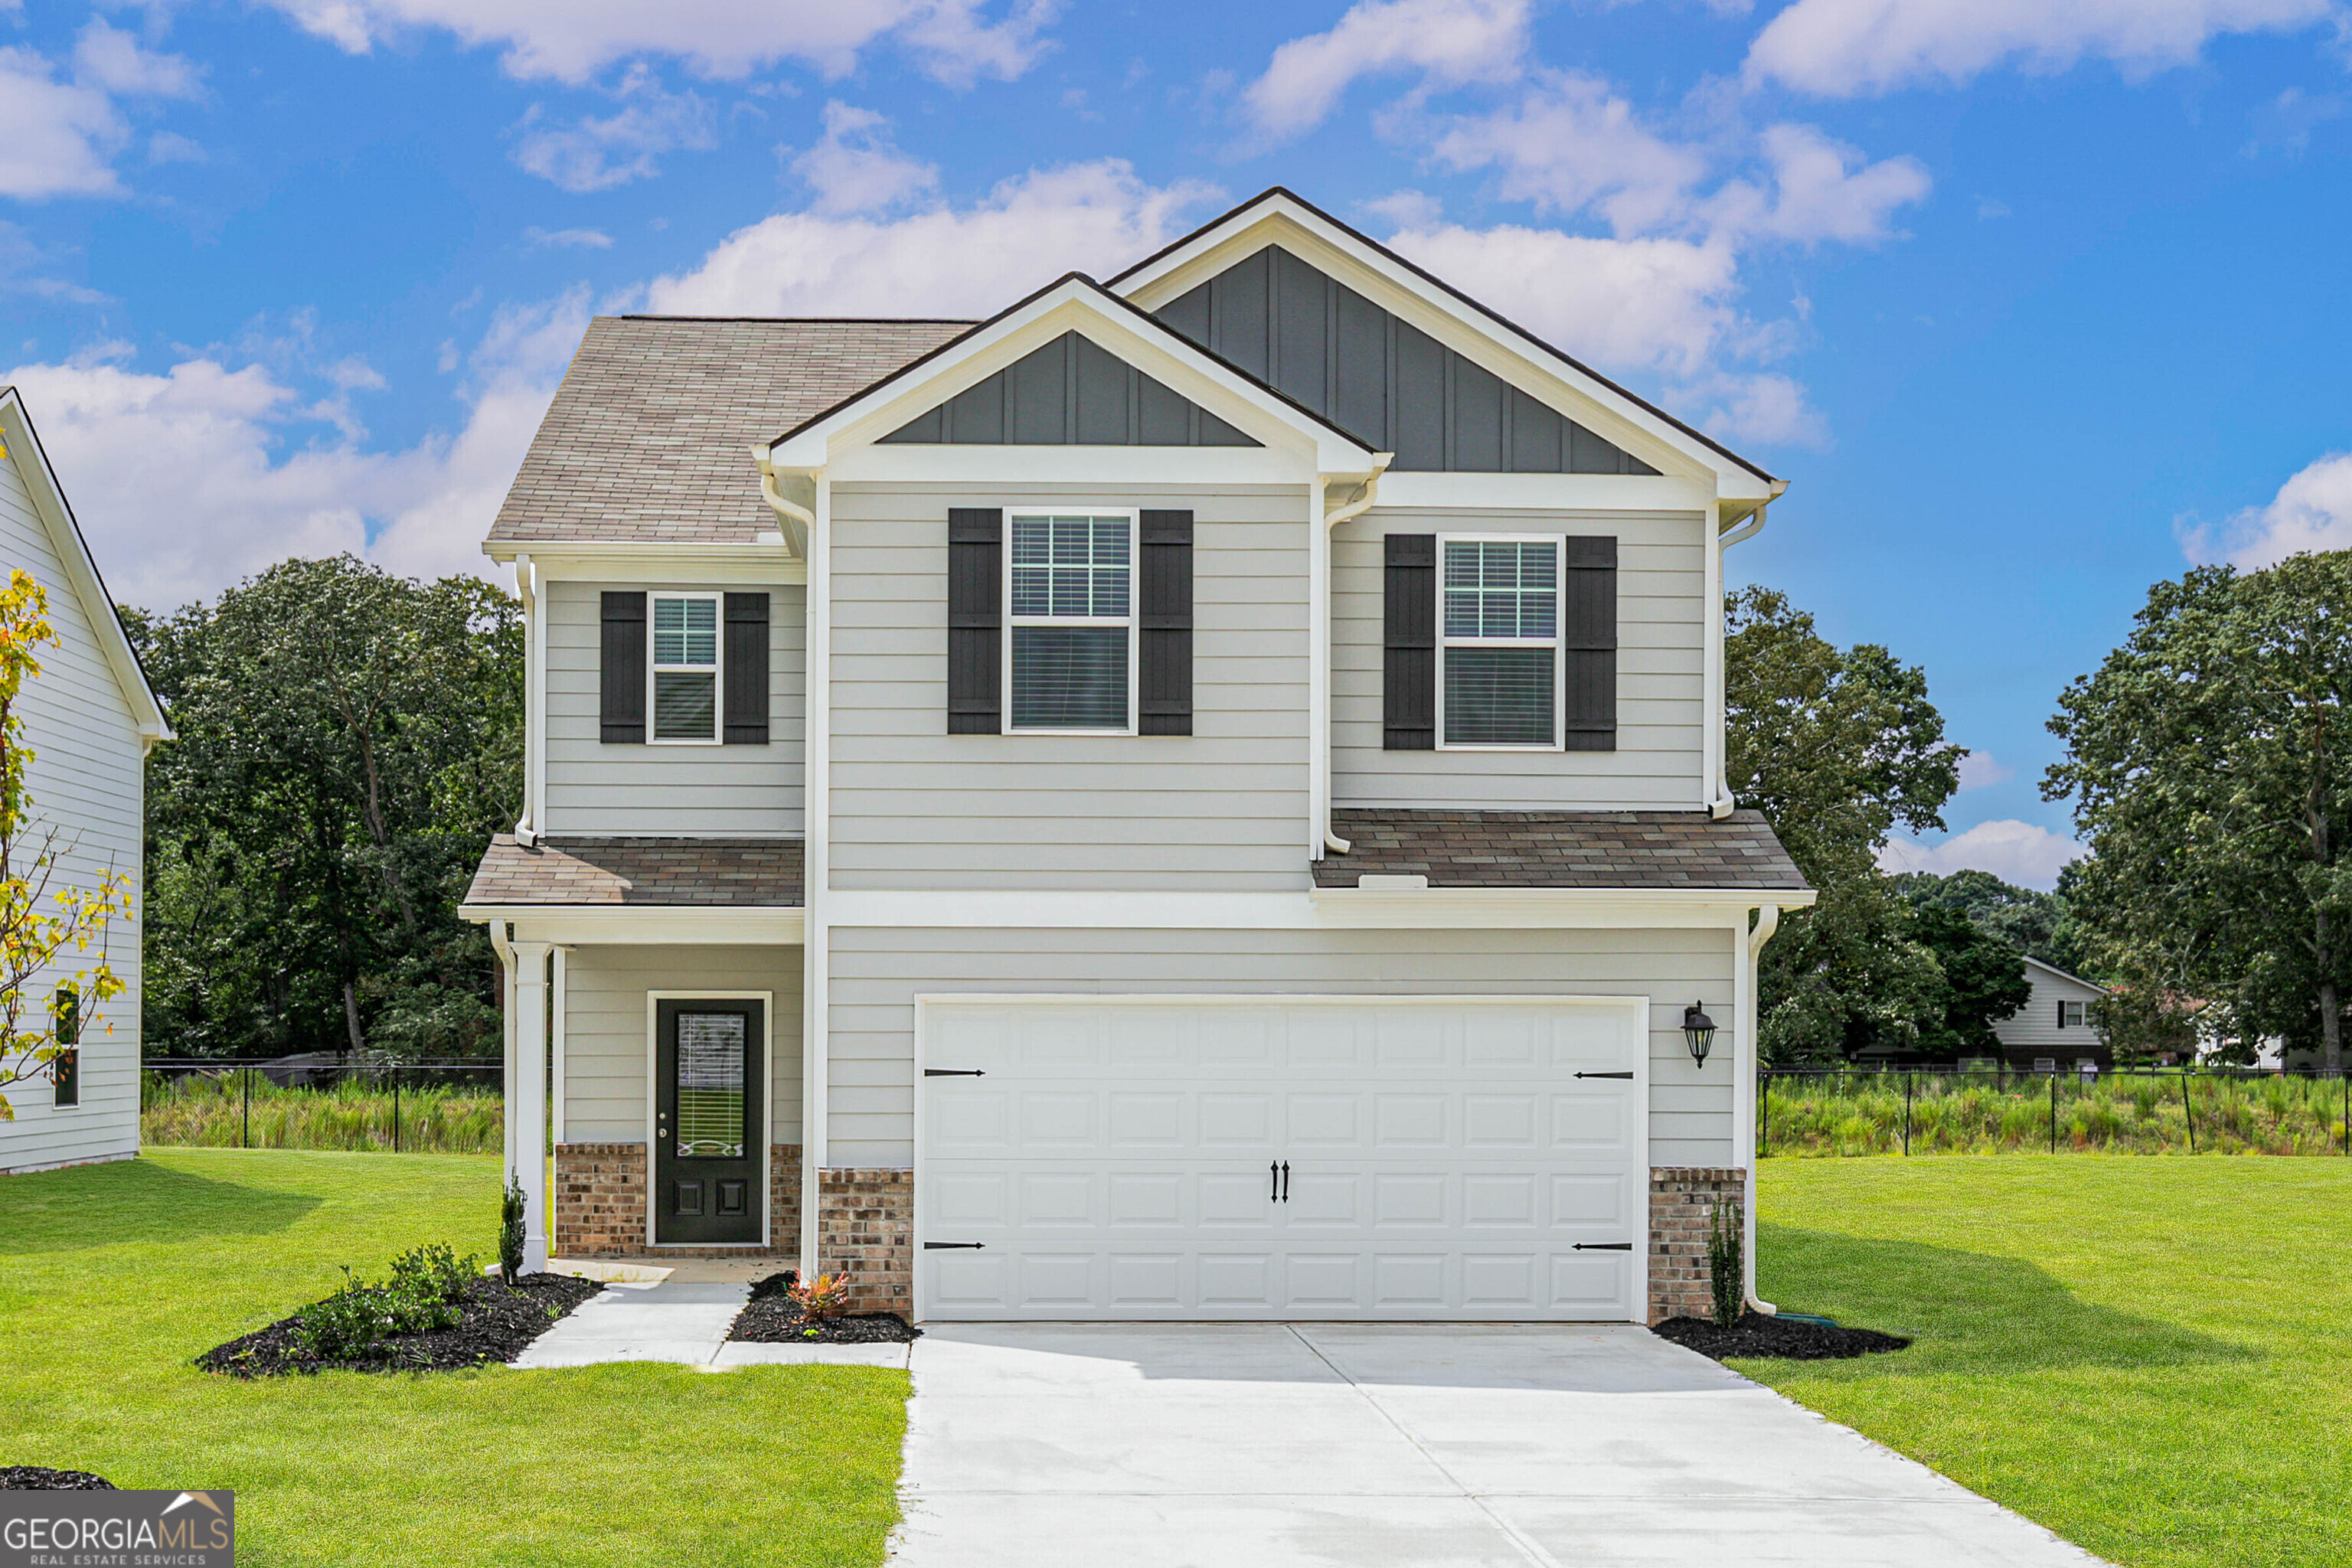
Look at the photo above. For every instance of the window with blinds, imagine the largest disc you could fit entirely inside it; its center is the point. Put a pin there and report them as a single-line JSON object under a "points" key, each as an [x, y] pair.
{"points": [[1071, 623], [1500, 650], [685, 668], [711, 1077]]}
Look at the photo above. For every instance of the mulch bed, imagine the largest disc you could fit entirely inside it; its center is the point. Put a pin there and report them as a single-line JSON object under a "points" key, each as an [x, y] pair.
{"points": [[499, 1323], [1783, 1339], [770, 1318], [34, 1478]]}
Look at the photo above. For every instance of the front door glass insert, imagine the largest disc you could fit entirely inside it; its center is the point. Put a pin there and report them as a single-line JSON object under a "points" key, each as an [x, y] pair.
{"points": [[710, 1062]]}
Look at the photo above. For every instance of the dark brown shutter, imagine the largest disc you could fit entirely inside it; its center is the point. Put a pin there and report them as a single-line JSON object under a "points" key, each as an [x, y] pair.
{"points": [[1409, 669], [1588, 630], [621, 678], [746, 656], [975, 620], [1164, 624]]}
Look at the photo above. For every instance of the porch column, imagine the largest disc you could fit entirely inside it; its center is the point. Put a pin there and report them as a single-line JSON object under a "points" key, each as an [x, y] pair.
{"points": [[527, 1111]]}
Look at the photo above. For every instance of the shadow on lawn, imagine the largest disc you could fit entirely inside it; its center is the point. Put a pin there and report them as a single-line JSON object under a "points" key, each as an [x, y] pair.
{"points": [[136, 1201], [1965, 1311]]}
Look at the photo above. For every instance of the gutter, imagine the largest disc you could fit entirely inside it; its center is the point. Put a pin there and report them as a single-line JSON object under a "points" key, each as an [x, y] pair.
{"points": [[1722, 803], [1767, 921], [796, 519], [1321, 634], [534, 739]]}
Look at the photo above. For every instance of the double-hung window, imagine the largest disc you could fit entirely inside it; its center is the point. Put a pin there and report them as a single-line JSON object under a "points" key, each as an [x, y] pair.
{"points": [[1071, 627], [1499, 686], [683, 669]]}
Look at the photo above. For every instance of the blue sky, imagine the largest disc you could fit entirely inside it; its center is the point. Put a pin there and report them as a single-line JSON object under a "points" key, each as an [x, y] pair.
{"points": [[2032, 303]]}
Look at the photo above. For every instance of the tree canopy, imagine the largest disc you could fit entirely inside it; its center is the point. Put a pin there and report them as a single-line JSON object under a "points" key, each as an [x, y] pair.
{"points": [[2040, 925], [2209, 761], [348, 742]]}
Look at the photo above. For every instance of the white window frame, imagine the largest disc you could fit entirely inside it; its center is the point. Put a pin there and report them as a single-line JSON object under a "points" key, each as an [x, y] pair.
{"points": [[717, 667], [1559, 638], [1134, 519]]}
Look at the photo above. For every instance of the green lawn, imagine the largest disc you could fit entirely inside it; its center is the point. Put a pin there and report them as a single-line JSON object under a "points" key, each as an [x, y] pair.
{"points": [[111, 1277], [2146, 1356]]}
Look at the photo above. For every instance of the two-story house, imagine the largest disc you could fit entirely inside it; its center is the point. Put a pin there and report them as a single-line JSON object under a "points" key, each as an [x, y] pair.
{"points": [[1198, 797]]}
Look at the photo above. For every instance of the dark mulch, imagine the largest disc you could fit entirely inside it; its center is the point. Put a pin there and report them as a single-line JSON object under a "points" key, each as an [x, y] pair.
{"points": [[1782, 1338], [34, 1478], [770, 1318], [499, 1323]]}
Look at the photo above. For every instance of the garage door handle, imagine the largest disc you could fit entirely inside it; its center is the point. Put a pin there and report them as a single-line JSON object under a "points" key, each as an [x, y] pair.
{"points": [[1286, 1181], [1273, 1181], [1623, 1075], [975, 1072], [953, 1246], [1604, 1247]]}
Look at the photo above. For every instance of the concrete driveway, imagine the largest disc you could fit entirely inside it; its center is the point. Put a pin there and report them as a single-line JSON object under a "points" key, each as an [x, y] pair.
{"points": [[1083, 1445]]}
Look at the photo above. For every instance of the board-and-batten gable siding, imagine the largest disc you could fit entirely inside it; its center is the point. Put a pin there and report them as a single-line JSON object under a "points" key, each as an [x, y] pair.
{"points": [[737, 792], [1222, 808], [877, 973], [2035, 1025], [88, 781], [604, 1061], [1662, 609]]}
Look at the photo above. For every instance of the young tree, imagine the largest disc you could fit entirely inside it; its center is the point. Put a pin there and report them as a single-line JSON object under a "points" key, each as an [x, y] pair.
{"points": [[46, 923], [1837, 747], [2209, 761]]}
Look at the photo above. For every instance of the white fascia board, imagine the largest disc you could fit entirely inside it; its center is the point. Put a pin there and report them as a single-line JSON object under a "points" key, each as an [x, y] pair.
{"points": [[1072, 305], [1523, 360], [1321, 910], [762, 565], [614, 925], [24, 447], [1612, 495]]}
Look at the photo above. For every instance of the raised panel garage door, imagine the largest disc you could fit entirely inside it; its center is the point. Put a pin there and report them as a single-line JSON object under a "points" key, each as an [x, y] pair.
{"points": [[1191, 1158]]}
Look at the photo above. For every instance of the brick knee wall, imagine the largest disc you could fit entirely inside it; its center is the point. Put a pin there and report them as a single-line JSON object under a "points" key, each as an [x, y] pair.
{"points": [[599, 1202], [866, 1225], [1682, 1207]]}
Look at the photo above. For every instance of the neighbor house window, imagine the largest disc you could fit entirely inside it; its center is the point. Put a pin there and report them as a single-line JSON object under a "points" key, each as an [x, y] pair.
{"points": [[1072, 623], [1500, 611], [685, 668], [2070, 1015]]}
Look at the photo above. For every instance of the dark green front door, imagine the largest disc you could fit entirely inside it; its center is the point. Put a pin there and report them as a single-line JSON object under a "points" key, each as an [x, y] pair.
{"points": [[707, 1121]]}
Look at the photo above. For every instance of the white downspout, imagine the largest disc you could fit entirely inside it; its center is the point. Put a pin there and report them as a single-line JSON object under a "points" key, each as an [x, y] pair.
{"points": [[1720, 801], [1767, 921], [1319, 637], [530, 826], [817, 864]]}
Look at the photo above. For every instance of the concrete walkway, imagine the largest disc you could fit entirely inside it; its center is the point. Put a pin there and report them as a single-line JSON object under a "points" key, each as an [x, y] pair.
{"points": [[676, 1312], [1064, 1446]]}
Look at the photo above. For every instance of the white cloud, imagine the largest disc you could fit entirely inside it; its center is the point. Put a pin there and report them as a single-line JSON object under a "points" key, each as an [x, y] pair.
{"points": [[1446, 43], [1840, 48], [597, 154], [57, 138], [215, 442], [111, 59], [955, 41], [591, 239], [943, 260], [1570, 142], [2014, 851], [2312, 511], [1408, 210], [1980, 770], [1822, 190], [170, 147], [854, 167]]}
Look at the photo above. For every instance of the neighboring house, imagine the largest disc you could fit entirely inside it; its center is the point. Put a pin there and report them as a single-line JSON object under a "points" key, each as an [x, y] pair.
{"points": [[90, 718], [2054, 1030], [1199, 796]]}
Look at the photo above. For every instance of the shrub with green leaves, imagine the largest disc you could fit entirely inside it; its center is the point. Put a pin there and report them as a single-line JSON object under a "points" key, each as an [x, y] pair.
{"points": [[1727, 1277], [347, 1324], [435, 1273], [510, 1213]]}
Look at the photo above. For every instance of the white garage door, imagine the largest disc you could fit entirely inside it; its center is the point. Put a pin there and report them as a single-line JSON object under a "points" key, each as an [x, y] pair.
{"points": [[1224, 1158]]}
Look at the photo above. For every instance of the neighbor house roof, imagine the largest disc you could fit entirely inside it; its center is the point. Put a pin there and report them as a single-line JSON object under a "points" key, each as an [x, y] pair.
{"points": [[1641, 850], [2089, 984], [701, 873], [650, 435]]}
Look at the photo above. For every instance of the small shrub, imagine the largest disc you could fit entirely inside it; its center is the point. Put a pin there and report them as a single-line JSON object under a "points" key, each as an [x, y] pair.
{"points": [[510, 1213], [825, 1297], [347, 1324], [1726, 1275], [435, 1273]]}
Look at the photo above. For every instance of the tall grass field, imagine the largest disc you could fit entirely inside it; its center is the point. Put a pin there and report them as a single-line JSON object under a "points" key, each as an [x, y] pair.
{"points": [[1833, 1114], [207, 1112]]}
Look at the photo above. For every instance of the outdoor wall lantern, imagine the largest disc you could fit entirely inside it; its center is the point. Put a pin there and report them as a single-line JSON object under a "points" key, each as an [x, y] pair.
{"points": [[1699, 1030]]}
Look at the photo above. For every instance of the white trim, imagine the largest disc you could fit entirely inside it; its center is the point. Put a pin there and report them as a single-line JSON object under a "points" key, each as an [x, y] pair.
{"points": [[526, 1156], [716, 667], [1610, 495], [1098, 467], [559, 994], [1637, 1006], [1713, 784], [1132, 620], [1323, 909], [767, 1000], [816, 856], [1558, 640], [1748, 1060], [1319, 670], [605, 925], [748, 566]]}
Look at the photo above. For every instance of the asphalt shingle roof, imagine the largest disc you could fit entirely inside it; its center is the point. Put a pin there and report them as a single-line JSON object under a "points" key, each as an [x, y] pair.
{"points": [[650, 435], [690, 872], [1635, 849]]}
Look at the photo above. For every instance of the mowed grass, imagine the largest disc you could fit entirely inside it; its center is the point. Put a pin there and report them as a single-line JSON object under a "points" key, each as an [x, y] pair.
{"points": [[112, 1277], [2149, 1356]]}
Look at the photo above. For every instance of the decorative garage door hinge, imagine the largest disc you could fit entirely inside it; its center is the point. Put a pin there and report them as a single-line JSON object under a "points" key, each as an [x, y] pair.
{"points": [[975, 1072], [952, 1245], [1604, 1247], [1623, 1075]]}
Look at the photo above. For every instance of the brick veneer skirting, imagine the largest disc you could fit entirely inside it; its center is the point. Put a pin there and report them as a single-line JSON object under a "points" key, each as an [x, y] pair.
{"points": [[1682, 1205], [600, 1204], [864, 1228]]}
